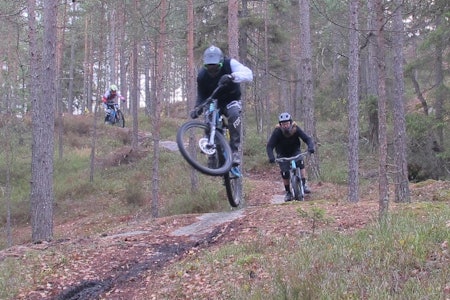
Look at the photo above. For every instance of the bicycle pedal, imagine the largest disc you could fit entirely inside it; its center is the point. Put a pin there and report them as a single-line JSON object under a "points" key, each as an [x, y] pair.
{"points": [[235, 172]]}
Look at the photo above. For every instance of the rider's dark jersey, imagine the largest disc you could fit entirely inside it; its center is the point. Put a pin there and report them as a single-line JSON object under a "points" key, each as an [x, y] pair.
{"points": [[287, 146], [206, 84]]}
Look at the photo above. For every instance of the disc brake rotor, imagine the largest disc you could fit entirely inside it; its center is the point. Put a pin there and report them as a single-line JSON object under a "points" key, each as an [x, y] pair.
{"points": [[206, 147]]}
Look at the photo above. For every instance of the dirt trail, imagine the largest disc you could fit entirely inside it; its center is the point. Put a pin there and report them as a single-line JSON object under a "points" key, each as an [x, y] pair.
{"points": [[135, 263], [199, 234]]}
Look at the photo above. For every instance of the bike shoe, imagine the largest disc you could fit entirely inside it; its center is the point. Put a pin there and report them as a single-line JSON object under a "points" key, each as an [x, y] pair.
{"points": [[288, 197], [306, 189]]}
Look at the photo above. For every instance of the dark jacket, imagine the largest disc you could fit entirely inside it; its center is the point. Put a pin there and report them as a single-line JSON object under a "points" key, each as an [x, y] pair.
{"points": [[287, 146], [207, 84]]}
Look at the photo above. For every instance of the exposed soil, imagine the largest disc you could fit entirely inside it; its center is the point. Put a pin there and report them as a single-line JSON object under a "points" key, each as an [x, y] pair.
{"points": [[132, 262]]}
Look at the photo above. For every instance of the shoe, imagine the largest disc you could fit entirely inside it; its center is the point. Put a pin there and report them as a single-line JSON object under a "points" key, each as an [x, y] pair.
{"points": [[306, 189], [236, 159], [288, 197]]}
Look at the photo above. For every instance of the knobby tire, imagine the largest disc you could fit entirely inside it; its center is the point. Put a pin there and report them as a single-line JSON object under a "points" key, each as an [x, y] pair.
{"points": [[233, 186], [120, 119], [296, 185], [188, 138]]}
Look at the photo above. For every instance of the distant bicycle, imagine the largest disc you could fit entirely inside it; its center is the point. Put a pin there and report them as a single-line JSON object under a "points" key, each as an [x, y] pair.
{"points": [[204, 145], [296, 184], [116, 116]]}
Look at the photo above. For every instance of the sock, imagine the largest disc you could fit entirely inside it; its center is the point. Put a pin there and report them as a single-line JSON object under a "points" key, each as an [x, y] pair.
{"points": [[286, 187], [304, 181]]}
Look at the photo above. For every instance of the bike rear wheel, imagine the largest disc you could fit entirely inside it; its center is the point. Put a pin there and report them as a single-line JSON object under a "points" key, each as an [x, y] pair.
{"points": [[192, 141], [120, 119], [233, 186]]}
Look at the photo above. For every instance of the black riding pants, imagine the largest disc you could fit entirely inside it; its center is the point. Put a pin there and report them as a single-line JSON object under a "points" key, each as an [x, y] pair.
{"points": [[233, 113]]}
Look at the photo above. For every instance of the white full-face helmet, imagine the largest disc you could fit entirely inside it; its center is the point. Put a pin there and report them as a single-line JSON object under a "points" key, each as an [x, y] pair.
{"points": [[284, 117]]}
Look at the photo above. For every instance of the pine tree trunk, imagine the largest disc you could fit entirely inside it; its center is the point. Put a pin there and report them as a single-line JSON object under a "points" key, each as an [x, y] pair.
{"points": [[156, 122], [383, 187], [191, 77], [307, 83], [353, 107], [372, 77], [42, 197], [401, 164]]}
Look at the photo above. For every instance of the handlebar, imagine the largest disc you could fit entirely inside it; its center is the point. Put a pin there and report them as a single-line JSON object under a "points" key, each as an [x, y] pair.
{"points": [[300, 155], [213, 94], [209, 99]]}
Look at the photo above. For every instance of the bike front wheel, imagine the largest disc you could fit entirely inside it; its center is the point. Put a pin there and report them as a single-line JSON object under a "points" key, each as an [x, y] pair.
{"points": [[193, 143], [296, 185], [120, 119], [233, 186]]}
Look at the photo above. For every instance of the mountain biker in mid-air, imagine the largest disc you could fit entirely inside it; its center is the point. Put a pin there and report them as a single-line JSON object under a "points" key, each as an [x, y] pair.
{"points": [[285, 139], [229, 73], [109, 98]]}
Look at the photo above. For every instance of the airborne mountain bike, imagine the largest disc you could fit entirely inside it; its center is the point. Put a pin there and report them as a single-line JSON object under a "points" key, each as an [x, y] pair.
{"points": [[296, 183], [116, 116], [205, 146]]}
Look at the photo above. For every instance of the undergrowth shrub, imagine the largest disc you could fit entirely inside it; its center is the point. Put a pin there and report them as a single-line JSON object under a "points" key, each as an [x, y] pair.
{"points": [[334, 163], [254, 152], [426, 158], [135, 191], [388, 260], [176, 184], [11, 278], [203, 201]]}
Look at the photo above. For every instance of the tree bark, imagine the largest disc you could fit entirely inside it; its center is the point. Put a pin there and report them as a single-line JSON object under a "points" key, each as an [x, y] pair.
{"points": [[353, 104], [265, 95], [383, 187], [59, 104], [156, 122], [441, 92], [233, 29], [372, 77], [134, 95], [43, 116], [191, 77], [307, 85], [401, 164]]}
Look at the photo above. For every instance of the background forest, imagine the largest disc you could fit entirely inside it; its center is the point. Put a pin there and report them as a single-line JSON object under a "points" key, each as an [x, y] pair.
{"points": [[375, 71]]}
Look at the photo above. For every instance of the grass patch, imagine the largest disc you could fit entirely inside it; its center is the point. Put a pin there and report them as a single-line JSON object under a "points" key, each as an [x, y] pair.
{"points": [[12, 277], [384, 261]]}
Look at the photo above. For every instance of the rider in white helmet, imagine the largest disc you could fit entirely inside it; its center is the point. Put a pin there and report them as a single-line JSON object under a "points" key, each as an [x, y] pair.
{"points": [[109, 98], [285, 139]]}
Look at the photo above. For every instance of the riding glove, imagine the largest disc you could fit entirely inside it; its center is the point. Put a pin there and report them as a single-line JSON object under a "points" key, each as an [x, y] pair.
{"points": [[225, 79], [196, 112]]}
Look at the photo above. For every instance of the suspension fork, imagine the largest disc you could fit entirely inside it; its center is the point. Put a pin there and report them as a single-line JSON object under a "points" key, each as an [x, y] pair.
{"points": [[212, 124], [293, 167]]}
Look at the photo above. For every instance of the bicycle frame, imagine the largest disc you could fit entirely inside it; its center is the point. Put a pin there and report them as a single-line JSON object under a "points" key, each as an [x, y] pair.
{"points": [[295, 175], [214, 119], [205, 147], [211, 118]]}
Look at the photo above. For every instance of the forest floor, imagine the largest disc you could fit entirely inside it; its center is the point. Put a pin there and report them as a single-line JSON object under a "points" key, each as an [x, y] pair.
{"points": [[137, 259]]}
